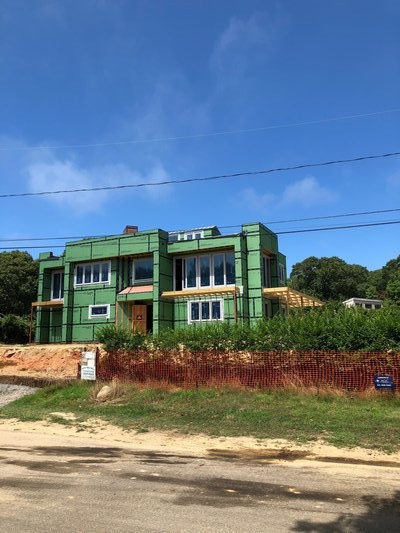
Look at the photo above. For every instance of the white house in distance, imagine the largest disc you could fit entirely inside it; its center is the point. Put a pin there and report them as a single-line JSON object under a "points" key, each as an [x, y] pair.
{"points": [[366, 303]]}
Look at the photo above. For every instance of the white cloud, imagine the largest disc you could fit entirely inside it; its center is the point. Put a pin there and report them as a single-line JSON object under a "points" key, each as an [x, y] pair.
{"points": [[56, 174], [244, 41], [307, 192], [255, 201]]}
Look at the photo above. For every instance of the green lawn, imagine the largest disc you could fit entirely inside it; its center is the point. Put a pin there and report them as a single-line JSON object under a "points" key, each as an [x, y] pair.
{"points": [[346, 420]]}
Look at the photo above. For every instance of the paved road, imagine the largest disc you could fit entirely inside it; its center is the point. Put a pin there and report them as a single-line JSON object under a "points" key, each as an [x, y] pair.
{"points": [[69, 485]]}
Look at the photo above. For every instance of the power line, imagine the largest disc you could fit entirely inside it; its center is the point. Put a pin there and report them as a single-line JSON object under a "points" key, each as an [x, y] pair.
{"points": [[197, 135], [206, 178], [324, 217], [350, 226], [76, 237], [304, 230]]}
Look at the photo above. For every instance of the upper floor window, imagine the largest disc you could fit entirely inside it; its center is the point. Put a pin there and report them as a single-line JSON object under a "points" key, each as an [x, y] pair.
{"points": [[192, 235], [267, 275], [142, 270], [57, 285], [186, 236], [282, 276], [200, 271], [91, 273]]}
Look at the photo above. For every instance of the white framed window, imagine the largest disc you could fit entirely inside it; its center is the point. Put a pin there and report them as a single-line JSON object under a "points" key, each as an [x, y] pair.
{"points": [[191, 235], [57, 285], [91, 273], [142, 270], [205, 311], [99, 311], [200, 271]]}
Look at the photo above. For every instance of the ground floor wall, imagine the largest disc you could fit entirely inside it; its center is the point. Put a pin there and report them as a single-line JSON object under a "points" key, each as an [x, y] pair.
{"points": [[54, 325]]}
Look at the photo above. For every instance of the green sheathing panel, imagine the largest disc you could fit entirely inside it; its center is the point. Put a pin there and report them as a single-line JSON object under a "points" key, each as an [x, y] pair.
{"points": [[165, 308], [179, 307], [72, 323], [254, 271], [241, 272], [119, 250], [48, 327]]}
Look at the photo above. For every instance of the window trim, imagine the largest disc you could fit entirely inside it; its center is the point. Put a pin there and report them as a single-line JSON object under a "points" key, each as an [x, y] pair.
{"points": [[191, 235], [91, 264], [210, 302], [133, 276], [106, 316], [61, 299], [197, 258]]}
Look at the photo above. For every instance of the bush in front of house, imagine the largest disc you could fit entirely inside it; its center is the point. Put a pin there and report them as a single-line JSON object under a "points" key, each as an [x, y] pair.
{"points": [[14, 329], [330, 327], [120, 338]]}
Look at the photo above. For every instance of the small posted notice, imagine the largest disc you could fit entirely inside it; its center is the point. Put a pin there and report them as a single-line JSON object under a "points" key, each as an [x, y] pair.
{"points": [[88, 366]]}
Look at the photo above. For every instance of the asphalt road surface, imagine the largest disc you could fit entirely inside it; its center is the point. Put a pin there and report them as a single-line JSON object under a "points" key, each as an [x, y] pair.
{"points": [[72, 485]]}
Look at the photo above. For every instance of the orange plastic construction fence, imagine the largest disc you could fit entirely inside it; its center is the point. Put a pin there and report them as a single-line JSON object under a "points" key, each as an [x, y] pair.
{"points": [[344, 370]]}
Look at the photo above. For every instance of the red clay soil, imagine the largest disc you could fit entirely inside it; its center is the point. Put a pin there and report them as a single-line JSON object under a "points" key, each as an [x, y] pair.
{"points": [[53, 361]]}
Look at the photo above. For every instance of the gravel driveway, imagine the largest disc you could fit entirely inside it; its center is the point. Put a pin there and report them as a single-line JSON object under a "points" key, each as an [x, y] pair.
{"points": [[9, 393]]}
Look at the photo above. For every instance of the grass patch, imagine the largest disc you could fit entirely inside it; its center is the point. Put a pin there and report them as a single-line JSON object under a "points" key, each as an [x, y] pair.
{"points": [[340, 419]]}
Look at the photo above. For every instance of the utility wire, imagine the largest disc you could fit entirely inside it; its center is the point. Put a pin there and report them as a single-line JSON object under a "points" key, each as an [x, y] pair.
{"points": [[198, 135], [324, 217], [206, 178], [350, 226], [305, 230], [29, 239]]}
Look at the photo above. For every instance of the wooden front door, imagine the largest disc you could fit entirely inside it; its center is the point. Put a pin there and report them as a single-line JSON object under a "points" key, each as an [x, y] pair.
{"points": [[139, 317]]}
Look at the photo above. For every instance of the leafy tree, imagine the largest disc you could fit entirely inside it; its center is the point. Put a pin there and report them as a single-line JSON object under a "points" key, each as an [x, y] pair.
{"points": [[329, 278], [18, 282], [380, 280], [393, 288]]}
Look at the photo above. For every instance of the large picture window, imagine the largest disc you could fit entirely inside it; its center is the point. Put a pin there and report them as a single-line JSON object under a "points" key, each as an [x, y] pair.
{"points": [[142, 271], [91, 273], [196, 272], [205, 311]]}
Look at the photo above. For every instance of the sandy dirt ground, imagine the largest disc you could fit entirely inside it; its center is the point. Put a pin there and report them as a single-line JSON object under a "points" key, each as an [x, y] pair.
{"points": [[55, 361], [96, 432]]}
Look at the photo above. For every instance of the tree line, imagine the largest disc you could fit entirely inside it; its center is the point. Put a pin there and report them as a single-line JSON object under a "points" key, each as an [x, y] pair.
{"points": [[332, 279]]}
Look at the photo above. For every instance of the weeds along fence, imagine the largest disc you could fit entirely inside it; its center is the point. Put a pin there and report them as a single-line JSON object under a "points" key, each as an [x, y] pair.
{"points": [[349, 370]]}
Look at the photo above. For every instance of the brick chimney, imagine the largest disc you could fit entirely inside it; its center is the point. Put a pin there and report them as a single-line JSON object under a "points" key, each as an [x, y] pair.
{"points": [[130, 229]]}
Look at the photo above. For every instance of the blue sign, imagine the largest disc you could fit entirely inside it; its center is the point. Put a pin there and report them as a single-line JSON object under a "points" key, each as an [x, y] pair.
{"points": [[384, 383]]}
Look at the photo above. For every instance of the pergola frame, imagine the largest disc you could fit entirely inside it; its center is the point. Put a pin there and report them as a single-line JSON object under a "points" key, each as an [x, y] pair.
{"points": [[290, 298]]}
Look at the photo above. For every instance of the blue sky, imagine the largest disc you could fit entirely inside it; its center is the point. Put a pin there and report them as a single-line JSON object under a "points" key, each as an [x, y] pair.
{"points": [[79, 77]]}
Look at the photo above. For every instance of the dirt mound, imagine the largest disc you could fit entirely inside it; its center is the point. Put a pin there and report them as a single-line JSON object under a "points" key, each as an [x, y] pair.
{"points": [[45, 361]]}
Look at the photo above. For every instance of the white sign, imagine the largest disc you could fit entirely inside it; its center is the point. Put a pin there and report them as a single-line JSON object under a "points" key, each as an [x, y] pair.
{"points": [[88, 365]]}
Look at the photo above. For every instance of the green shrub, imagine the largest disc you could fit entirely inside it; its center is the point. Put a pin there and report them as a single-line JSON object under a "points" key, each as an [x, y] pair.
{"points": [[120, 338], [14, 329], [327, 328]]}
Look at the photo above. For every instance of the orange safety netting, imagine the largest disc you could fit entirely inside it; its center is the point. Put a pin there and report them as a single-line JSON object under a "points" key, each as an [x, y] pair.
{"points": [[344, 370]]}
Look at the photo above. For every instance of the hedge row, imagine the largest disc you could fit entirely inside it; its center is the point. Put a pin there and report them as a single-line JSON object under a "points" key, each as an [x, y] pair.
{"points": [[328, 328]]}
